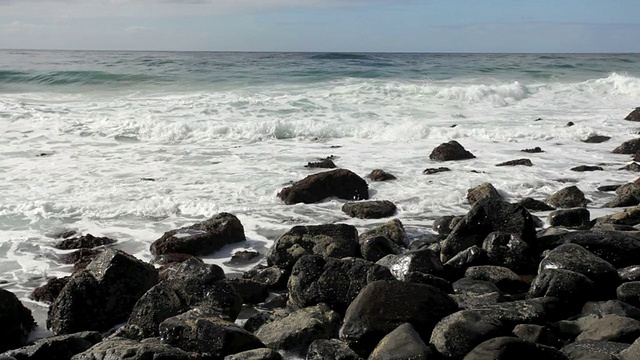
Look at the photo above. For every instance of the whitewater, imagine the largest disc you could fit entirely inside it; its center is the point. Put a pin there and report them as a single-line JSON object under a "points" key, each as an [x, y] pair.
{"points": [[129, 145]]}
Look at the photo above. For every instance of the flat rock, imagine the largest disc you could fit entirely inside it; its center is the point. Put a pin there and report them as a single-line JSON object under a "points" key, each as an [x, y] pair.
{"points": [[535, 205], [451, 150], [256, 354], [122, 348], [534, 150], [506, 348], [380, 175], [517, 162], [594, 349], [596, 139], [431, 171], [583, 168], [504, 278], [57, 347], [612, 328], [369, 209], [400, 344], [340, 183]]}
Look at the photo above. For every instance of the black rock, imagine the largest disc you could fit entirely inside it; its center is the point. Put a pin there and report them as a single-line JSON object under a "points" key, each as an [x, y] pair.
{"points": [[393, 230], [322, 164], [451, 150], [444, 224], [628, 147], [482, 191], [634, 115], [571, 218], [122, 348], [84, 242], [505, 279], [583, 168], [428, 279], [533, 150], [380, 175], [250, 291], [374, 248], [243, 256], [596, 139], [608, 187], [369, 209], [402, 343], [16, 320], [324, 349], [340, 183], [256, 354], [535, 205], [473, 256], [522, 162], [48, 292], [534, 333], [570, 123], [629, 292], [507, 348], [431, 171], [57, 347], [612, 328], [568, 197], [274, 277], [423, 261], [508, 250], [572, 288]]}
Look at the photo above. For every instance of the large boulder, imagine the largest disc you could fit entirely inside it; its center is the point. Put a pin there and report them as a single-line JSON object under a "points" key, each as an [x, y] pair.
{"points": [[508, 250], [451, 150], [569, 197], [201, 238], [16, 321], [123, 348], [504, 278], [369, 209], [402, 343], [334, 240], [57, 347], [634, 115], [315, 280], [572, 218], [340, 183], [572, 288], [482, 191], [382, 306], [629, 292], [102, 295], [485, 217], [629, 217], [628, 147], [392, 229]]}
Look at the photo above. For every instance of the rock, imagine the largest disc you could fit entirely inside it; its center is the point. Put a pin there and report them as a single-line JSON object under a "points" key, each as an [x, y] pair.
{"points": [[340, 183], [243, 256], [534, 333], [482, 191], [272, 276], [250, 291], [510, 251], [571, 218], [84, 242], [596, 139], [444, 224], [384, 305], [629, 216], [428, 279], [431, 171], [634, 115], [628, 147], [375, 248], [634, 166], [570, 123], [402, 343], [393, 230], [300, 328], [324, 349], [423, 261], [315, 280], [57, 347], [533, 150], [473, 256], [632, 352], [568, 197], [122, 348], [48, 292], [202, 238], [369, 209], [612, 328], [207, 335], [535, 205], [609, 187], [571, 288], [594, 350], [629, 292], [522, 162], [256, 354], [507, 348], [102, 295], [16, 320], [583, 168], [505, 279], [170, 259], [611, 307], [380, 175], [471, 294], [457, 334], [81, 258], [322, 164], [485, 217], [334, 240], [451, 150], [629, 273]]}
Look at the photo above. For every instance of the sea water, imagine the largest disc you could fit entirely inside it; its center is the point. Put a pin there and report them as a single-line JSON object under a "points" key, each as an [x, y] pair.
{"points": [[132, 144]]}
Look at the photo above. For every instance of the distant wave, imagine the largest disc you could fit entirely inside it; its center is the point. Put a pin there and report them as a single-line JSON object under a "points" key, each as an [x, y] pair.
{"points": [[340, 56], [72, 77]]}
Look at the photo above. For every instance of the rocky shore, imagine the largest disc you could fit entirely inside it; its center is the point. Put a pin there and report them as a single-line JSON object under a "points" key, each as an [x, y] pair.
{"points": [[493, 283]]}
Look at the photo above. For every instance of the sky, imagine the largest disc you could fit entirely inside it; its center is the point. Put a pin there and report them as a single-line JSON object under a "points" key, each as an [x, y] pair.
{"points": [[599, 26]]}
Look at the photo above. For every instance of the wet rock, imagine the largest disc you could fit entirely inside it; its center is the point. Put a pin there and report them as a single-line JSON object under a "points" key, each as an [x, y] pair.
{"points": [[48, 292], [457, 334], [594, 350], [431, 171], [629, 292], [572, 288], [608, 187], [202, 238], [340, 183], [300, 328], [611, 307], [206, 334], [369, 209], [485, 217], [612, 328], [170, 259], [629, 217], [482, 191], [392, 229], [571, 218], [517, 162], [84, 242], [334, 240], [374, 248], [444, 224], [506, 348], [628, 147], [634, 115], [533, 150], [629, 273], [17, 321], [57, 347], [423, 261], [323, 349], [534, 333], [576, 258], [81, 255], [256, 354], [568, 197], [380, 175], [122, 348], [535, 205], [596, 139], [272, 276], [471, 294], [473, 256], [632, 352], [428, 279], [505, 279], [315, 280], [510, 251], [451, 150], [583, 168], [322, 164], [570, 123], [402, 343], [635, 167], [250, 291], [243, 256], [384, 305], [102, 295]]}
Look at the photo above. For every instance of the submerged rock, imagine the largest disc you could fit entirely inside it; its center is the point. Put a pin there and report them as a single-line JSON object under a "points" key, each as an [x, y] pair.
{"points": [[340, 183], [517, 162], [369, 209], [451, 150], [380, 175], [84, 242]]}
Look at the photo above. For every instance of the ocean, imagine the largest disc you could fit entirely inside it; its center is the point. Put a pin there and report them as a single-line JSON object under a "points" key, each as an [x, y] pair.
{"points": [[132, 144]]}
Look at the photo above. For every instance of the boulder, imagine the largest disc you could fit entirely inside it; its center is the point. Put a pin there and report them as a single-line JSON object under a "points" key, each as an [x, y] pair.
{"points": [[380, 175], [369, 209], [202, 238], [322, 164], [535, 205], [206, 334], [382, 306], [508, 250], [596, 139], [507, 348], [333, 240], [428, 279], [374, 248], [517, 162], [473, 256], [634, 115], [505, 279], [431, 171], [57, 347], [482, 191], [610, 307], [485, 217], [629, 292], [451, 150], [584, 168], [273, 277], [628, 147], [392, 229], [84, 242], [250, 291], [594, 350], [612, 328], [629, 217], [423, 261], [48, 292], [122, 348], [571, 218], [534, 333], [323, 349], [256, 354], [471, 293], [632, 352], [16, 321], [340, 183], [633, 166], [629, 273], [568, 197], [300, 328], [102, 295], [534, 150], [571, 288], [315, 280], [444, 224], [400, 344]]}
